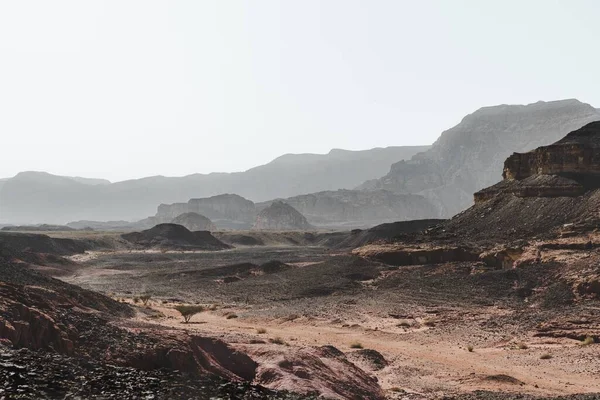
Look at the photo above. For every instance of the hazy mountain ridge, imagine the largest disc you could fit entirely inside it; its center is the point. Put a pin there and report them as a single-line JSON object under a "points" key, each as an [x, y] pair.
{"points": [[470, 156], [34, 197]]}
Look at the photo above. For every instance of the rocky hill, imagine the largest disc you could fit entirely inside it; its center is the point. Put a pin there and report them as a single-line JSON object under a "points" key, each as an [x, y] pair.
{"points": [[72, 199], [549, 191], [174, 237], [469, 157], [194, 222], [281, 217]]}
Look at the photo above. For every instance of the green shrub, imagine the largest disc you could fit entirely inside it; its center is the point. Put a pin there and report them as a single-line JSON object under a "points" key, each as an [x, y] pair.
{"points": [[187, 312], [356, 345]]}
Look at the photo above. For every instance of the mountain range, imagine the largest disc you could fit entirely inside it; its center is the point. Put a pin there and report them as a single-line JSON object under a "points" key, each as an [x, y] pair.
{"points": [[33, 197], [393, 183]]}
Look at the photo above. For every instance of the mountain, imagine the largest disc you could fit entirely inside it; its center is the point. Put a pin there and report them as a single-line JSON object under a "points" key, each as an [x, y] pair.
{"points": [[470, 156], [36, 197]]}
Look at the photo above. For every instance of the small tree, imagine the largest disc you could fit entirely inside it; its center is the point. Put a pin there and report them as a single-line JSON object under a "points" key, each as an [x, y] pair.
{"points": [[187, 312], [145, 298]]}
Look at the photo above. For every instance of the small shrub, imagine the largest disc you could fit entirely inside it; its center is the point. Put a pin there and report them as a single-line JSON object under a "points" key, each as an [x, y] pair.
{"points": [[587, 341], [187, 312], [231, 316], [429, 322], [545, 356], [404, 324], [136, 299], [470, 348], [260, 331], [145, 298], [522, 346], [277, 340], [213, 307], [356, 345]]}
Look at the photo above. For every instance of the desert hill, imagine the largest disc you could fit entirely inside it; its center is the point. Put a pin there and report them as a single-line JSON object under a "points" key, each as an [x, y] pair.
{"points": [[282, 217], [469, 156]]}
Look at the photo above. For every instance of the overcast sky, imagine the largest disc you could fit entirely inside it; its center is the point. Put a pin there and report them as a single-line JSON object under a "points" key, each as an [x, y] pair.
{"points": [[124, 89]]}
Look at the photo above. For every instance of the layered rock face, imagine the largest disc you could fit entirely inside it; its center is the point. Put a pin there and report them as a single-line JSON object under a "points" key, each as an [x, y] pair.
{"points": [[577, 157], [469, 157], [282, 217], [355, 208], [194, 222], [225, 211], [569, 167]]}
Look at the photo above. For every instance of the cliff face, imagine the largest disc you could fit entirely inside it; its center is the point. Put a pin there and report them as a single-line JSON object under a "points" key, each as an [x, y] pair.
{"points": [[225, 211], [281, 216], [577, 156], [470, 156], [355, 208], [569, 167]]}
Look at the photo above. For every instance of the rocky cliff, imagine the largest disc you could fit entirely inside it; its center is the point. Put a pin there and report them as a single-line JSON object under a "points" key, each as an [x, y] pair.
{"points": [[470, 156], [226, 211], [281, 217], [548, 189], [354, 208]]}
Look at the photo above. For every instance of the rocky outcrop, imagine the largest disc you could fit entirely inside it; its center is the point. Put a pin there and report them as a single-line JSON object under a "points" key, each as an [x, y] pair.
{"points": [[194, 222], [355, 208], [569, 167], [282, 217], [470, 156], [174, 237], [226, 211], [576, 157]]}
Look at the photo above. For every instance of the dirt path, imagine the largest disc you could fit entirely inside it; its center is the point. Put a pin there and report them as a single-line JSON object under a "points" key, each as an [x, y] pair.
{"points": [[417, 365]]}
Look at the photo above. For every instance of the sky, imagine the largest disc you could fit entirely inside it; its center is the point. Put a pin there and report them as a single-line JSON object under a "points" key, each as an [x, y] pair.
{"points": [[125, 89]]}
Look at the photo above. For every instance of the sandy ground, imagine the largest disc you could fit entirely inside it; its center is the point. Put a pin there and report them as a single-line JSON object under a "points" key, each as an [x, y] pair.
{"points": [[428, 354], [416, 365]]}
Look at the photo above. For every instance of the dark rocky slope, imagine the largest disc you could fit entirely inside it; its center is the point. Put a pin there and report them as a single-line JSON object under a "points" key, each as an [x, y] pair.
{"points": [[469, 157], [172, 236]]}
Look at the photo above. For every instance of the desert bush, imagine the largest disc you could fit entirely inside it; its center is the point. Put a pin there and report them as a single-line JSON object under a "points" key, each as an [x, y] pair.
{"points": [[587, 341], [136, 299], [545, 356], [470, 348], [231, 316], [187, 312], [260, 331], [404, 324], [145, 298], [213, 307], [522, 346], [277, 340], [356, 345]]}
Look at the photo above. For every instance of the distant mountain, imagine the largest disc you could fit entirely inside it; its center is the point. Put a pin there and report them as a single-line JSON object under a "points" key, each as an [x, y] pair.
{"points": [[470, 156], [38, 197], [327, 209]]}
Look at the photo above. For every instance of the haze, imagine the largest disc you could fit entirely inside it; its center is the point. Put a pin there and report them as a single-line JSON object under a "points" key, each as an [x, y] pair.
{"points": [[121, 90]]}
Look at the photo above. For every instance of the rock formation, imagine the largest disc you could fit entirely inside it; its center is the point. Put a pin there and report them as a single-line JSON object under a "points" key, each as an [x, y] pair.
{"points": [[355, 208], [174, 237], [469, 157], [194, 222], [281, 216]]}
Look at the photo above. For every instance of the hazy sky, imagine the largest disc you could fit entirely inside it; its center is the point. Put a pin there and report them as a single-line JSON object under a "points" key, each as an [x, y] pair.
{"points": [[123, 89]]}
